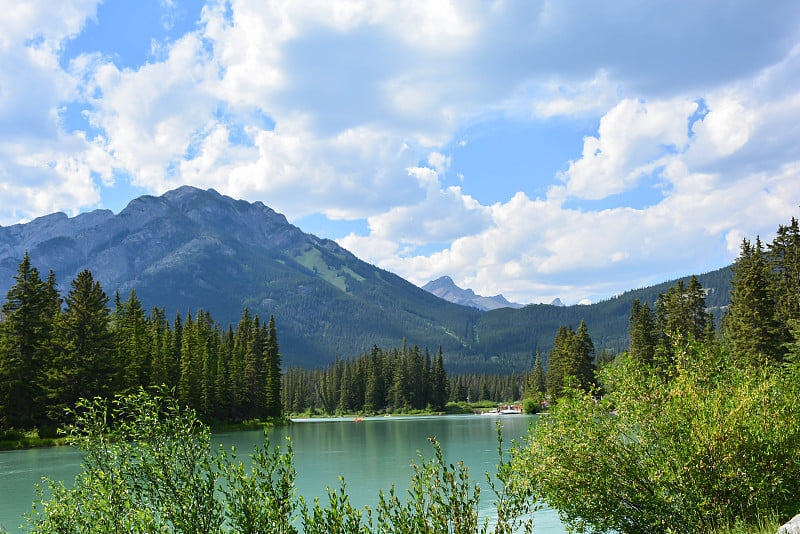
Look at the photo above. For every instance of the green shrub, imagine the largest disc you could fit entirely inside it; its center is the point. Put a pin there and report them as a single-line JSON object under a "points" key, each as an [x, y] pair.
{"points": [[531, 405], [703, 445], [149, 467]]}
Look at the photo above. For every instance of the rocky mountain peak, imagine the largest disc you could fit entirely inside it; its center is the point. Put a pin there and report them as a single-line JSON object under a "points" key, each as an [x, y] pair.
{"points": [[444, 287]]}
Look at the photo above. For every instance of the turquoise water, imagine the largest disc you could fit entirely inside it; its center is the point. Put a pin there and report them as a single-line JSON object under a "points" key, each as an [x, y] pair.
{"points": [[370, 455]]}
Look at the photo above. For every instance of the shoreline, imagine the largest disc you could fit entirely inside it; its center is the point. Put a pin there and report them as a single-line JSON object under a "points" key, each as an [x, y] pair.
{"points": [[462, 408]]}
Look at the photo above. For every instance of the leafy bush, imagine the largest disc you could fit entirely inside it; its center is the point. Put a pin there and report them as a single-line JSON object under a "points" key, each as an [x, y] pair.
{"points": [[532, 404], [149, 467], [704, 445]]}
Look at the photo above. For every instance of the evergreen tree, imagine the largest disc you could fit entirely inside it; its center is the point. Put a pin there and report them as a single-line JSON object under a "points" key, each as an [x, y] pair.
{"points": [[750, 328], [643, 334], [585, 356], [681, 312], [440, 383], [535, 385], [784, 259], [189, 384], [374, 396], [25, 339], [554, 379], [272, 359], [134, 349], [161, 343], [84, 366]]}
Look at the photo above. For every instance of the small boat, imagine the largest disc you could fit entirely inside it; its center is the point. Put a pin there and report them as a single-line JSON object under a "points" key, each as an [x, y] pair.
{"points": [[357, 419], [493, 411]]}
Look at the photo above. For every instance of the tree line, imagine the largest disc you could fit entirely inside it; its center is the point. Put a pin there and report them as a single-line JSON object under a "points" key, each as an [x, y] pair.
{"points": [[55, 350], [390, 380]]}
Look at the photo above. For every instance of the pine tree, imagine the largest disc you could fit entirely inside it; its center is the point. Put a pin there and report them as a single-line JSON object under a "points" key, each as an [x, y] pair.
{"points": [[750, 328], [84, 366], [440, 383], [585, 355], [643, 334], [25, 340], [374, 397], [535, 385], [134, 350], [554, 379], [189, 383], [681, 312], [784, 260], [272, 359]]}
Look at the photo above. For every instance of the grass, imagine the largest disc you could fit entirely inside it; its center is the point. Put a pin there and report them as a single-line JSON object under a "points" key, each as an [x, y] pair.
{"points": [[765, 525]]}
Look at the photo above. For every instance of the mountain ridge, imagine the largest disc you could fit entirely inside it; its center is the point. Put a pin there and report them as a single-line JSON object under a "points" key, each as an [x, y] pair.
{"points": [[191, 249], [444, 287]]}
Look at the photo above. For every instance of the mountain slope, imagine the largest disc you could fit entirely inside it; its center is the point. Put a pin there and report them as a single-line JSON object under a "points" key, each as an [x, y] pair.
{"points": [[191, 248], [509, 338], [445, 288]]}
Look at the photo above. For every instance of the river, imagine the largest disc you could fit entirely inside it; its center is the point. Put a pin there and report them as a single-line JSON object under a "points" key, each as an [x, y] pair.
{"points": [[371, 455]]}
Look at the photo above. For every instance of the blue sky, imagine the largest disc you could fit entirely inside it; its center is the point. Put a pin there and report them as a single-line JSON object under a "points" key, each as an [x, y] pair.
{"points": [[542, 149]]}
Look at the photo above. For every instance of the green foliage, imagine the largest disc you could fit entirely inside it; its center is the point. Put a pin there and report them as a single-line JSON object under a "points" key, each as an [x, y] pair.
{"points": [[516, 333], [261, 497], [84, 366], [572, 357], [149, 467], [24, 348], [750, 327], [443, 500], [532, 405], [643, 333], [381, 380], [535, 384], [704, 445], [50, 358]]}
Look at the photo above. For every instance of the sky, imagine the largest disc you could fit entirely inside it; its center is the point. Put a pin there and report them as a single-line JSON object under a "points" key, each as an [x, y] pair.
{"points": [[536, 148]]}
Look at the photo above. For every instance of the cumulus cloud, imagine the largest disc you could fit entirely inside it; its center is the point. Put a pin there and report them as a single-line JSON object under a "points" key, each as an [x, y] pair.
{"points": [[633, 140], [348, 109], [42, 167]]}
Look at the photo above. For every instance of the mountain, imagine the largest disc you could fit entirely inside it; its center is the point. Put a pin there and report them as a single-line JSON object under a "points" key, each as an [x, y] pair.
{"points": [[556, 302], [445, 288], [508, 338], [190, 249]]}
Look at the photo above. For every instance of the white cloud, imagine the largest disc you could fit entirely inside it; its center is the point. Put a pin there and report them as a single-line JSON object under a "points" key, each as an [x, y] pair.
{"points": [[365, 98], [634, 139], [42, 168]]}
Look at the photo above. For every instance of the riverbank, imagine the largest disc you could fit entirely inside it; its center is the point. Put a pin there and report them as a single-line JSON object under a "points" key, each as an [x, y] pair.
{"points": [[254, 424], [452, 408], [12, 440], [30, 440]]}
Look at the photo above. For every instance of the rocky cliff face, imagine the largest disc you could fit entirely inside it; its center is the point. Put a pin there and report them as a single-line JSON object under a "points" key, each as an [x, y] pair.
{"points": [[445, 288]]}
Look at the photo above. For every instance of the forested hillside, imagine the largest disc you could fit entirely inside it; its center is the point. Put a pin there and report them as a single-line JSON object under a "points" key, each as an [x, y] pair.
{"points": [[191, 249], [506, 339]]}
